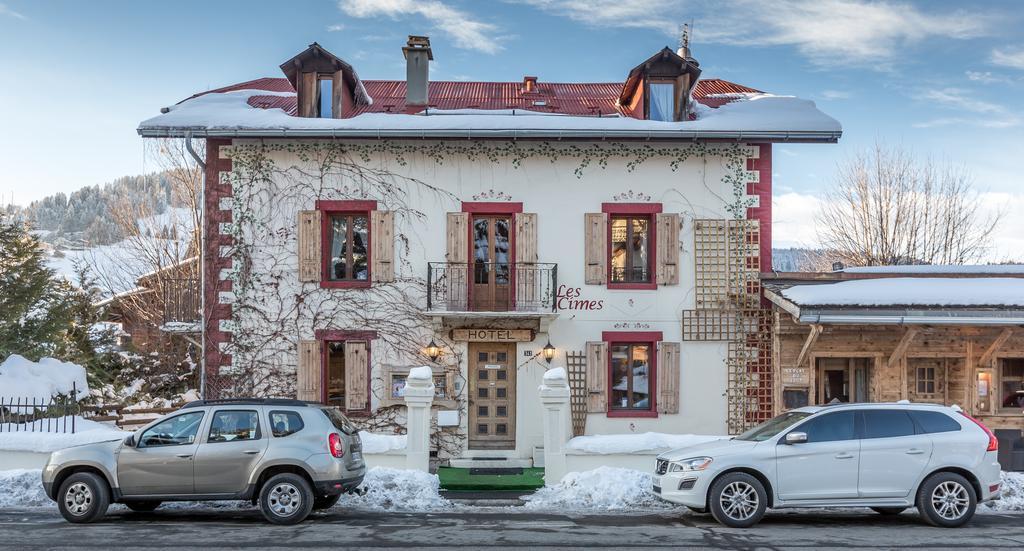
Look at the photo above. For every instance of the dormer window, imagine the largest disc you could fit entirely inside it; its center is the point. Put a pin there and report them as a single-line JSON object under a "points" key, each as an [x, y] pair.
{"points": [[659, 89], [327, 98], [661, 104], [325, 85]]}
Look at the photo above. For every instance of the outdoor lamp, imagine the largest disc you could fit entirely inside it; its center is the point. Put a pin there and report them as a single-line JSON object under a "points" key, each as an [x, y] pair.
{"points": [[433, 350], [548, 352]]}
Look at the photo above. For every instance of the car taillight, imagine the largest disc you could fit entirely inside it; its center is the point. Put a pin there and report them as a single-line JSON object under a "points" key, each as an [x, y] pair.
{"points": [[335, 445], [993, 442]]}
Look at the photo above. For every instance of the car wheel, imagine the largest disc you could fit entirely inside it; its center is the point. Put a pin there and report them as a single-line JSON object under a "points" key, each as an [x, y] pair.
{"points": [[888, 510], [83, 497], [738, 500], [325, 502], [698, 510], [286, 498], [142, 506], [947, 500]]}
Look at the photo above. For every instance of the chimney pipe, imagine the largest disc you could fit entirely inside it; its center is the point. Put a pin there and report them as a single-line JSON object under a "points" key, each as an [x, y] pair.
{"points": [[418, 55], [529, 84]]}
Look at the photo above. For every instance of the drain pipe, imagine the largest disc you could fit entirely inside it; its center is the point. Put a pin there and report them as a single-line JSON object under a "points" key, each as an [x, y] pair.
{"points": [[202, 265]]}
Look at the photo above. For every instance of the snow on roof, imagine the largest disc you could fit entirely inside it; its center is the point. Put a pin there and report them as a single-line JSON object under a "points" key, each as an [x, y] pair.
{"points": [[230, 114], [939, 269], [908, 291]]}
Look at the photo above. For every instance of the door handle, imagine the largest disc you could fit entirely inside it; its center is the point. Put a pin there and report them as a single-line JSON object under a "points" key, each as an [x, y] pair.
{"points": [[914, 451], [844, 455], [251, 452], [185, 455]]}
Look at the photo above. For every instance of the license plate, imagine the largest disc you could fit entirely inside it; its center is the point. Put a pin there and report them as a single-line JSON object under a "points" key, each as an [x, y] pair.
{"points": [[657, 489]]}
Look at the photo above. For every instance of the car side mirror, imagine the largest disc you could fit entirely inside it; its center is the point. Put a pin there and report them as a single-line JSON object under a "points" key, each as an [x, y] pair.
{"points": [[130, 441], [796, 438]]}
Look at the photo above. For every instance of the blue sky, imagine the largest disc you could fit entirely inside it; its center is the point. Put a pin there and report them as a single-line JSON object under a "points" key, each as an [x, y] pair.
{"points": [[944, 78]]}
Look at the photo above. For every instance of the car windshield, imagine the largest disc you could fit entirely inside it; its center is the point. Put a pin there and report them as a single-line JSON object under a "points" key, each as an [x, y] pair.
{"points": [[774, 426]]}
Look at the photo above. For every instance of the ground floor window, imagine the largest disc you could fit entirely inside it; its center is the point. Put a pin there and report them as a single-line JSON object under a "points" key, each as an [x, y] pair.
{"points": [[926, 380], [632, 371], [1011, 383], [842, 380], [336, 373]]}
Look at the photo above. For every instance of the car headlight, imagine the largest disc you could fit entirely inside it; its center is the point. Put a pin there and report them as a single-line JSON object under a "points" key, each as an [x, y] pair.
{"points": [[693, 464]]}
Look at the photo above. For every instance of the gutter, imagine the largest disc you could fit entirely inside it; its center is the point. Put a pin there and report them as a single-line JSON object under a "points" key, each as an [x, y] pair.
{"points": [[409, 133], [853, 319], [202, 265]]}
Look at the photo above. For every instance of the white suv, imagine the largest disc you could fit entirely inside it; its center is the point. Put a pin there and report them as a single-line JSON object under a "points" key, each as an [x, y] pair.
{"points": [[888, 457]]}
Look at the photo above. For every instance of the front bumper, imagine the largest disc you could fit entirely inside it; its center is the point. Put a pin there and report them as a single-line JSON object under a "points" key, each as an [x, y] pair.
{"points": [[685, 488]]}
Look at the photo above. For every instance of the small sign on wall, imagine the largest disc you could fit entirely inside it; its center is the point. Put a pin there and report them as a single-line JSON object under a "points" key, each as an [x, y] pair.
{"points": [[492, 335]]}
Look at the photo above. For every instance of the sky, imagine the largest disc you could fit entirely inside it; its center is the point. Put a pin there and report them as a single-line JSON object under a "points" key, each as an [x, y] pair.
{"points": [[942, 78]]}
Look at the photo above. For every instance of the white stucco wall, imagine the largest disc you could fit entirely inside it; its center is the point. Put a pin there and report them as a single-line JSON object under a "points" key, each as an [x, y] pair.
{"points": [[551, 189]]}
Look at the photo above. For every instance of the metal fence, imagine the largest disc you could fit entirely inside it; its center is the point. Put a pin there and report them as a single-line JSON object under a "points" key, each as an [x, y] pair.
{"points": [[491, 287], [26, 414]]}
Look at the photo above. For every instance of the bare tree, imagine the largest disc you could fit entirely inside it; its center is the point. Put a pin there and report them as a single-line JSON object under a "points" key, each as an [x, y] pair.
{"points": [[889, 207]]}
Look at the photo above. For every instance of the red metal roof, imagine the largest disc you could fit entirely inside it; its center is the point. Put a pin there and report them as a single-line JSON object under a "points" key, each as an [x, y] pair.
{"points": [[585, 98]]}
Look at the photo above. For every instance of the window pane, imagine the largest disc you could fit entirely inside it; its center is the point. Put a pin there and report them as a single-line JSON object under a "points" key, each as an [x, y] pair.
{"points": [[283, 423], [638, 250], [339, 249], [231, 426], [336, 373], [830, 428], [481, 251], [933, 421], [360, 245], [1011, 383], [326, 97], [501, 248], [629, 249], [618, 245], [630, 376], [176, 431], [887, 423], [662, 102]]}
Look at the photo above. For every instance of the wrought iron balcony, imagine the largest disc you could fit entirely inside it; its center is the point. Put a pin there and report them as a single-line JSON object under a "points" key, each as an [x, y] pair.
{"points": [[181, 300], [491, 287]]}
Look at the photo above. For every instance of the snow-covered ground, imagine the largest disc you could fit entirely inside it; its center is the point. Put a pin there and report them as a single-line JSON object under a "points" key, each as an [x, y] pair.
{"points": [[39, 381], [602, 489], [633, 443]]}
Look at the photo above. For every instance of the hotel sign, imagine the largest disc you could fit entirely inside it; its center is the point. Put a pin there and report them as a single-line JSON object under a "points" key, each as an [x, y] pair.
{"points": [[492, 335]]}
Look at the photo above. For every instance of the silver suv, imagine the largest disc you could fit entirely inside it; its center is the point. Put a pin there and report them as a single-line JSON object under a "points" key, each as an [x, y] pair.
{"points": [[289, 456], [888, 457]]}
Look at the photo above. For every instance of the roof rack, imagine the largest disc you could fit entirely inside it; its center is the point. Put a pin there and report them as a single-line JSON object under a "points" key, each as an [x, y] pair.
{"points": [[247, 402]]}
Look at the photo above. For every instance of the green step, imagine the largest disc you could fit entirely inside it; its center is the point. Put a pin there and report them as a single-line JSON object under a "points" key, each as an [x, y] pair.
{"points": [[460, 480]]}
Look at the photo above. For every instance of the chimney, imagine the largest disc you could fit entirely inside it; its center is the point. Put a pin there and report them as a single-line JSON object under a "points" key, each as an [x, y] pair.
{"points": [[684, 42], [417, 69], [529, 84]]}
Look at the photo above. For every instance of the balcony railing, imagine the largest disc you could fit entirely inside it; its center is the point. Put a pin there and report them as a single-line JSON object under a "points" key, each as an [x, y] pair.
{"points": [[181, 300], [491, 287]]}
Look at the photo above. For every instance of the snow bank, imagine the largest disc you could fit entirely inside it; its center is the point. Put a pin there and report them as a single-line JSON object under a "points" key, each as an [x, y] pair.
{"points": [[1012, 494], [939, 269], [908, 291], [397, 490], [633, 443], [86, 432], [602, 489], [39, 381], [23, 488], [382, 443]]}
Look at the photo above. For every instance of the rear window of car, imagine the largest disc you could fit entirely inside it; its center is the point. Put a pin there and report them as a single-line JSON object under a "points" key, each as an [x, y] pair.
{"points": [[283, 423], [935, 421], [339, 420], [887, 423]]}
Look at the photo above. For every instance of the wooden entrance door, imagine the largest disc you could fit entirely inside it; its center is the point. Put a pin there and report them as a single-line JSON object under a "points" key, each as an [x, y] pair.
{"points": [[492, 262], [843, 380], [492, 396]]}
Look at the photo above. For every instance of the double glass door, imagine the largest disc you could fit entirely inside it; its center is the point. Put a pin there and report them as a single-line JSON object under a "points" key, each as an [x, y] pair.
{"points": [[492, 263]]}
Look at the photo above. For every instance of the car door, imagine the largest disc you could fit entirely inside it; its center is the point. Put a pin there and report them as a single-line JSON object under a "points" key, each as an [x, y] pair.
{"points": [[161, 461], [823, 467], [231, 449], [892, 454]]}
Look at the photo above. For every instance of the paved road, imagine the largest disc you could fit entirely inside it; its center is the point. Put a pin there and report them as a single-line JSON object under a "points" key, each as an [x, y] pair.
{"points": [[506, 528]]}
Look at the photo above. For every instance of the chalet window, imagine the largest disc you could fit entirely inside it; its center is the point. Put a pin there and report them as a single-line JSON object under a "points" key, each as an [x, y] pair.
{"points": [[632, 370], [326, 90], [336, 374], [662, 101], [349, 242], [345, 374], [926, 380], [1011, 383], [630, 249]]}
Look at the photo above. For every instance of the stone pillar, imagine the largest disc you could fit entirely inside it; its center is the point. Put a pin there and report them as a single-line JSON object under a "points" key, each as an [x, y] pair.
{"points": [[419, 394], [554, 394]]}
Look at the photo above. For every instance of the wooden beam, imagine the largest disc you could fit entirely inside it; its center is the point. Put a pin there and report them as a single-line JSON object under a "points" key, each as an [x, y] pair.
{"points": [[902, 347], [812, 338], [990, 352]]}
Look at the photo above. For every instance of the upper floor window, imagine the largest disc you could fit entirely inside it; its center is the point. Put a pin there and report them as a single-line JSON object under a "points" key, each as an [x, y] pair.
{"points": [[630, 249], [662, 102], [349, 235], [326, 98]]}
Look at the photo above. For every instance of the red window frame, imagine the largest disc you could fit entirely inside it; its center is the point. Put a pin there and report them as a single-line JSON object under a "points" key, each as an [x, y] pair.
{"points": [[492, 208], [326, 336], [651, 338], [636, 210], [344, 207]]}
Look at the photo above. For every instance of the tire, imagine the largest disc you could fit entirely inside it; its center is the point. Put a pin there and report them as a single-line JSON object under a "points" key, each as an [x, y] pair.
{"points": [[698, 510], [142, 506], [947, 500], [325, 502], [83, 497], [286, 498], [745, 500], [888, 511]]}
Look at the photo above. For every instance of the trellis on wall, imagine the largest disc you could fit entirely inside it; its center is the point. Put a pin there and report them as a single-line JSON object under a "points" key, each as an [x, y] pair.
{"points": [[576, 364]]}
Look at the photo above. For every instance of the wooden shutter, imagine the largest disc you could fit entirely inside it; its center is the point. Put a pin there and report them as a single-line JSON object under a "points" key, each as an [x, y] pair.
{"points": [[668, 248], [526, 238], [458, 237], [596, 248], [338, 91], [357, 375], [382, 245], [449, 384], [668, 377], [309, 245], [597, 373], [309, 94], [308, 385]]}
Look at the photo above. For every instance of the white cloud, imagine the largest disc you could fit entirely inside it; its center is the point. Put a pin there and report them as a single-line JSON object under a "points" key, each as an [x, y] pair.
{"points": [[985, 77], [962, 99], [836, 94], [335, 28], [1009, 121], [827, 32], [989, 115], [5, 10], [793, 220], [1009, 58], [466, 31]]}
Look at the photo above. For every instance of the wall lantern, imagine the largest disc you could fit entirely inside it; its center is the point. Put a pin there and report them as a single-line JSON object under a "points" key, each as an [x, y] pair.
{"points": [[433, 351], [548, 351]]}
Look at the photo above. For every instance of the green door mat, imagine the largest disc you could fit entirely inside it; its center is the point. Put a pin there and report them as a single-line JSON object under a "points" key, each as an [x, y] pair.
{"points": [[460, 480]]}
